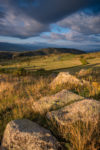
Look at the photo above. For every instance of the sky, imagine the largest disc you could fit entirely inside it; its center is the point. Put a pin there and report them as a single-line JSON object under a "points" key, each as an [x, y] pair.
{"points": [[52, 23]]}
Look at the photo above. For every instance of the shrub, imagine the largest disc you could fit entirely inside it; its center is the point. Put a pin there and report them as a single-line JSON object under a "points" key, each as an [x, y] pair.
{"points": [[20, 72], [84, 61], [2, 70], [41, 71]]}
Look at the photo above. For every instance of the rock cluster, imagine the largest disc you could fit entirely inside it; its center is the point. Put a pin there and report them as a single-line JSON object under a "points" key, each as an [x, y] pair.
{"points": [[61, 110]]}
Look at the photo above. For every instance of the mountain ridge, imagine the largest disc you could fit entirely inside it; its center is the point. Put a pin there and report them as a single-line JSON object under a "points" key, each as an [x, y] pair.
{"points": [[39, 52]]}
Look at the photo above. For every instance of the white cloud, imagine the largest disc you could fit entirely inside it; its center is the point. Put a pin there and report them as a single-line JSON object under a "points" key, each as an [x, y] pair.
{"points": [[82, 23]]}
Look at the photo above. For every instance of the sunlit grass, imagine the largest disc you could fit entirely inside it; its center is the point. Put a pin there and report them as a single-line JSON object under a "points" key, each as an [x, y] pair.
{"points": [[18, 92]]}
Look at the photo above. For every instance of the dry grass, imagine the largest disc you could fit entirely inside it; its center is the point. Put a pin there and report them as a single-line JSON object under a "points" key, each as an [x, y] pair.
{"points": [[78, 135], [18, 93], [85, 136]]}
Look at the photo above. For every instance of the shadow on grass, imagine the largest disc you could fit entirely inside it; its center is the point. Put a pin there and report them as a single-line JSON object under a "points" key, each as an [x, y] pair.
{"points": [[74, 69], [43, 72]]}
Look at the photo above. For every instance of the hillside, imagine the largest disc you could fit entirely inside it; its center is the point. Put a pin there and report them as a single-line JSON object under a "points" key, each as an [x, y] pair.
{"points": [[47, 51], [40, 52], [6, 55]]}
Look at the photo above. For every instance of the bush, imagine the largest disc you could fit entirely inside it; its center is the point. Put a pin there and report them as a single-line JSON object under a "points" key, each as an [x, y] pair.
{"points": [[84, 61], [2, 70], [20, 72], [41, 71]]}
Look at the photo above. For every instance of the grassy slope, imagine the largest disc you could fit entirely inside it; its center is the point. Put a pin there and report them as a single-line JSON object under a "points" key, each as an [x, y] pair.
{"points": [[58, 62], [17, 93]]}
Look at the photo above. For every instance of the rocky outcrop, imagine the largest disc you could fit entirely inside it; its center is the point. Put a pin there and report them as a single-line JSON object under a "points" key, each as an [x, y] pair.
{"points": [[56, 101], [63, 110], [27, 135], [65, 77], [85, 110]]}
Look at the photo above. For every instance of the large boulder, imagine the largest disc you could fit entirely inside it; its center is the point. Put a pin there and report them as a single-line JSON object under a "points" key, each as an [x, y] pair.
{"points": [[84, 110], [65, 77], [27, 135], [55, 101]]}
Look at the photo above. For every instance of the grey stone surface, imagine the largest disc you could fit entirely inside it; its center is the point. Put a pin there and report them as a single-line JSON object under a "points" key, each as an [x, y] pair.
{"points": [[84, 110], [56, 101], [27, 135], [65, 77]]}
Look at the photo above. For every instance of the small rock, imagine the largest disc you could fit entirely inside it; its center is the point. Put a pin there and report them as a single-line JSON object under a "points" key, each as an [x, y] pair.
{"points": [[27, 135]]}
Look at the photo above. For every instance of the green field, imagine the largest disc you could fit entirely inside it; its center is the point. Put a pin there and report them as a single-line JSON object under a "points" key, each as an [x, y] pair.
{"points": [[59, 62]]}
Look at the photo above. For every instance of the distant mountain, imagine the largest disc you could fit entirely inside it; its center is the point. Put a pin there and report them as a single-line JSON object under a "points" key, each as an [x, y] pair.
{"points": [[30, 47], [93, 51], [48, 51], [45, 51], [9, 51], [17, 47]]}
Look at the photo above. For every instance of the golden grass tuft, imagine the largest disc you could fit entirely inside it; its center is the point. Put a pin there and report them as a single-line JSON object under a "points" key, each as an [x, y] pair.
{"points": [[78, 135]]}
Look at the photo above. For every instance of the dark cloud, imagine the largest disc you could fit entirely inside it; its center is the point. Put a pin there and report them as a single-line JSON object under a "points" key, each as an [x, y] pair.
{"points": [[2, 14], [50, 10], [20, 26], [25, 18]]}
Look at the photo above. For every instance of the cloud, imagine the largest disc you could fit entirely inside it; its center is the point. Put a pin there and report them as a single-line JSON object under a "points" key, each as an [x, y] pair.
{"points": [[20, 26], [82, 23], [27, 18], [47, 11], [72, 36], [2, 15]]}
